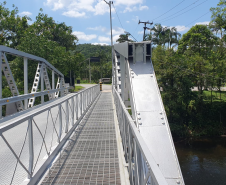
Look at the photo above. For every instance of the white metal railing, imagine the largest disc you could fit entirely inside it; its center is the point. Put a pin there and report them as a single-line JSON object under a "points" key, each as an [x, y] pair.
{"points": [[142, 167], [30, 140]]}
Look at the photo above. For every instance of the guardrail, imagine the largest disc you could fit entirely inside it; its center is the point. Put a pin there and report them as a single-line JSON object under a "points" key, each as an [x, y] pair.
{"points": [[30, 140], [142, 167]]}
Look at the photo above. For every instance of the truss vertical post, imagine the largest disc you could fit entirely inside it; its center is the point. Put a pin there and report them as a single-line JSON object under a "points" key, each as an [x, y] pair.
{"points": [[25, 82], [53, 83], [42, 84], [31, 147], [0, 83]]}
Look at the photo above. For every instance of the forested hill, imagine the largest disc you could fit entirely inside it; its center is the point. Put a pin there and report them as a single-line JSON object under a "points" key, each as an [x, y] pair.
{"points": [[89, 50]]}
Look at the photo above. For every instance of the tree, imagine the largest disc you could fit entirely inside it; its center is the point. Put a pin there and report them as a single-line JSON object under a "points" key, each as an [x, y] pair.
{"points": [[124, 38], [218, 22], [12, 26], [199, 39]]}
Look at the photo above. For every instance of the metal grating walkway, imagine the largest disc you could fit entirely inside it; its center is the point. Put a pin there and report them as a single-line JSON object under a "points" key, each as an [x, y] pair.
{"points": [[91, 157]]}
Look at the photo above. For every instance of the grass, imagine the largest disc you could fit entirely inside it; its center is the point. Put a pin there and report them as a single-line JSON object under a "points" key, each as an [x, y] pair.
{"points": [[215, 95], [78, 88]]}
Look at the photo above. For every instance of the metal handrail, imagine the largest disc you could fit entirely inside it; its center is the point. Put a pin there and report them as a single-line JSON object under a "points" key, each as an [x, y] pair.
{"points": [[142, 167], [71, 110], [14, 99]]}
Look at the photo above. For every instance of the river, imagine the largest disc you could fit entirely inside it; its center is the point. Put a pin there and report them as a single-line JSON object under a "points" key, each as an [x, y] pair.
{"points": [[202, 161]]}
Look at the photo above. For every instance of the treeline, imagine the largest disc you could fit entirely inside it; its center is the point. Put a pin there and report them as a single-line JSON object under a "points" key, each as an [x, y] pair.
{"points": [[47, 39], [192, 74]]}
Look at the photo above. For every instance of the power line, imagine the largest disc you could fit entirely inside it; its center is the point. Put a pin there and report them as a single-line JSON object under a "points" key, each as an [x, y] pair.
{"points": [[121, 23], [198, 18], [180, 10], [118, 16], [184, 12], [169, 10]]}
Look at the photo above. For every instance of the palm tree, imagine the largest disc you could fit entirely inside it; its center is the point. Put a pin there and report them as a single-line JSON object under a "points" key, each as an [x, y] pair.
{"points": [[174, 37], [124, 38]]}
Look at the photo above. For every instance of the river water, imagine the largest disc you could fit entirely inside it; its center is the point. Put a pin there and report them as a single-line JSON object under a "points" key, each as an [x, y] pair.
{"points": [[202, 161]]}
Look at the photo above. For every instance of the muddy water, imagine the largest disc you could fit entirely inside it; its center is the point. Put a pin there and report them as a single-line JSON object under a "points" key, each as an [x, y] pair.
{"points": [[203, 161]]}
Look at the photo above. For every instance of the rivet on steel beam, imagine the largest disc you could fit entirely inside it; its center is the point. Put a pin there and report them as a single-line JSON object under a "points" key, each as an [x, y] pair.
{"points": [[140, 123], [138, 113], [163, 123], [178, 182]]}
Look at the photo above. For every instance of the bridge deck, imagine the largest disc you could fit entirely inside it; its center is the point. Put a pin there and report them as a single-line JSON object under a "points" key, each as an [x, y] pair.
{"points": [[91, 156]]}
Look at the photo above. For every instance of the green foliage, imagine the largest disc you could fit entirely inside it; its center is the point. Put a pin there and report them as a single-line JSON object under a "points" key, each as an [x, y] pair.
{"points": [[124, 38], [199, 39], [100, 69]]}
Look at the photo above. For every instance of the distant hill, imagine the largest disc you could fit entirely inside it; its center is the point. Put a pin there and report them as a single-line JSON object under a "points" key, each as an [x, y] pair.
{"points": [[90, 50]]}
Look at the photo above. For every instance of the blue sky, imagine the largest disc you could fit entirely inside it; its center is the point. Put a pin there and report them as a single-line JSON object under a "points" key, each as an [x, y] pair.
{"points": [[90, 18]]}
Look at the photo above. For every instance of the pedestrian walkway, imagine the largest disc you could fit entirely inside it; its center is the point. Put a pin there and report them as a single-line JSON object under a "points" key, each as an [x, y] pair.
{"points": [[91, 156]]}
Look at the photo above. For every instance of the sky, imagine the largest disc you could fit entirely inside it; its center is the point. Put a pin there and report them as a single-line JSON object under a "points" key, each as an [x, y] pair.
{"points": [[90, 19]]}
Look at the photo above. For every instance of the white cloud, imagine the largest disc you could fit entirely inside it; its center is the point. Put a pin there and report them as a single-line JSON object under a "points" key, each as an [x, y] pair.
{"points": [[140, 32], [98, 28], [25, 13], [143, 8], [77, 8], [182, 28], [131, 9], [116, 31], [101, 8], [104, 39], [115, 38], [72, 13], [128, 9], [127, 2], [127, 21], [83, 36], [203, 23], [55, 4], [101, 44]]}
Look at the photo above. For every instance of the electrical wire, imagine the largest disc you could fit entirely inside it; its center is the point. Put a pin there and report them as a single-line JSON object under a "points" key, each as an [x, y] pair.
{"points": [[118, 16], [121, 22], [179, 11], [197, 18], [169, 10], [184, 12]]}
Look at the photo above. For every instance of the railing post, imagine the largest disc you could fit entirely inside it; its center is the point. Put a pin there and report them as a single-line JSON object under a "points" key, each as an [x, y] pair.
{"points": [[31, 147], [25, 82], [53, 82], [67, 117], [0, 83], [73, 110], [76, 107], [42, 83], [60, 123], [80, 103]]}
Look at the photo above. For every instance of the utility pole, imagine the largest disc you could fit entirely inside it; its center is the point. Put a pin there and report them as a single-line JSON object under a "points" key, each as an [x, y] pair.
{"points": [[145, 27], [112, 49]]}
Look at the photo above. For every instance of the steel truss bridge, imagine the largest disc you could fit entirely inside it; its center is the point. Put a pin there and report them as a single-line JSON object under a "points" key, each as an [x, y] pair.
{"points": [[52, 136]]}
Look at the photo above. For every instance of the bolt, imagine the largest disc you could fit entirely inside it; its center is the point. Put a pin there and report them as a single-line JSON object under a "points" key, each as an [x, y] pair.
{"points": [[138, 113], [178, 182], [140, 123]]}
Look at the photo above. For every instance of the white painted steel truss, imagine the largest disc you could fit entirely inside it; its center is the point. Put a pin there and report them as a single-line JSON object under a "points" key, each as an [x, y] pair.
{"points": [[40, 75]]}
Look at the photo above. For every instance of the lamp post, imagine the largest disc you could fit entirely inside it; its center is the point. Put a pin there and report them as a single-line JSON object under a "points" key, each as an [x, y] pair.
{"points": [[112, 49]]}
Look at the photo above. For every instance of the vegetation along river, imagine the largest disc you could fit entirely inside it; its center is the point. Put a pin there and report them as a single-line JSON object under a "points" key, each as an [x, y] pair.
{"points": [[203, 161]]}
